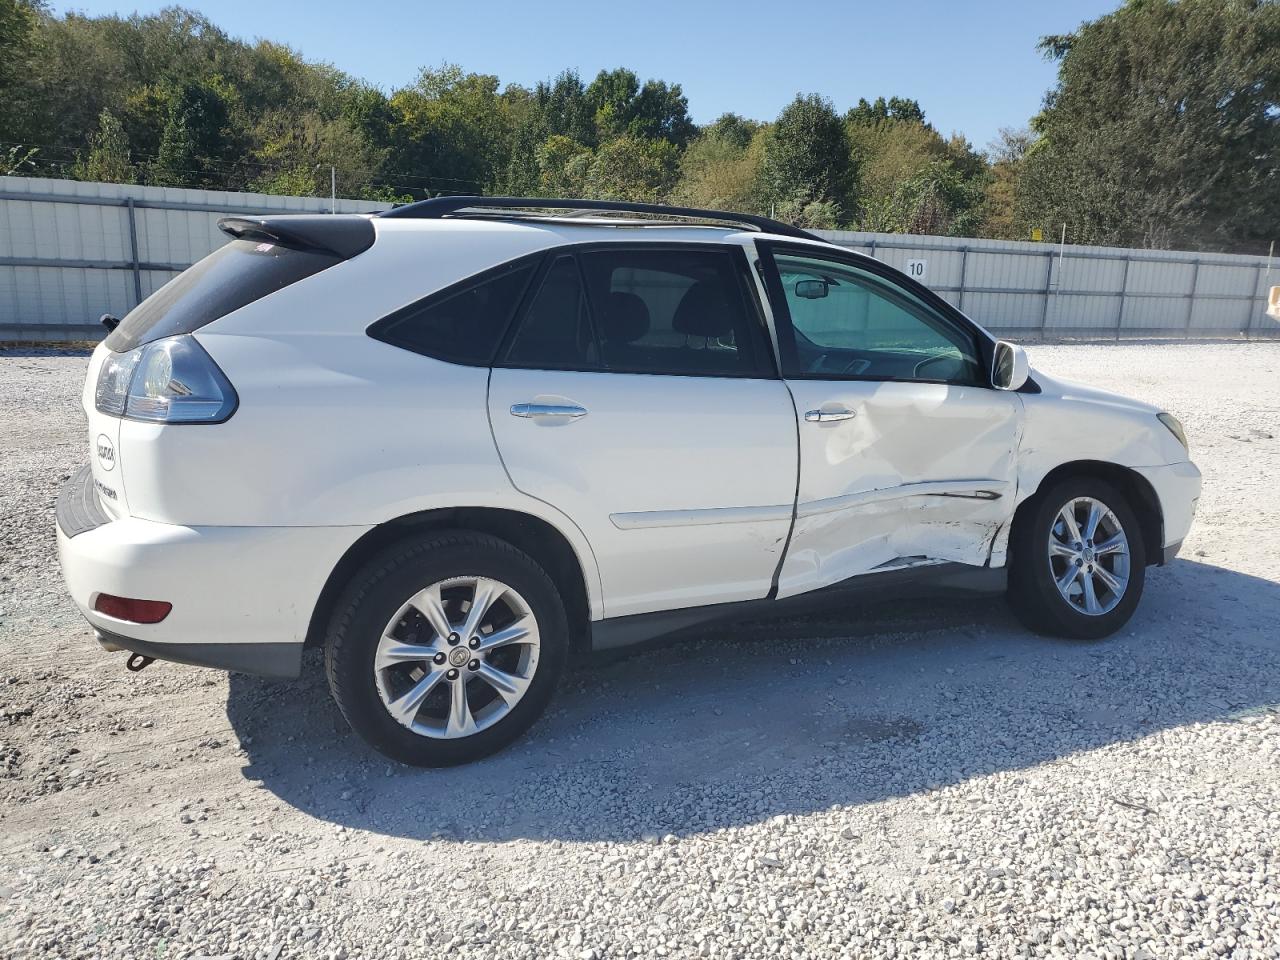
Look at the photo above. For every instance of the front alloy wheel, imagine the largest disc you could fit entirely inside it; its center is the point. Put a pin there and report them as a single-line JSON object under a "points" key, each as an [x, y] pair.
{"points": [[1077, 561], [444, 649], [1089, 556]]}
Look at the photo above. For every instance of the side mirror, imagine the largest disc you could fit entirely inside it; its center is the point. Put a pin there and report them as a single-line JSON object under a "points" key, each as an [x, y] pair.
{"points": [[811, 289], [1273, 303], [1010, 366]]}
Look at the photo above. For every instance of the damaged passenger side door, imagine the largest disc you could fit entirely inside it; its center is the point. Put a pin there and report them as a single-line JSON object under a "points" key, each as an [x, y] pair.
{"points": [[907, 453]]}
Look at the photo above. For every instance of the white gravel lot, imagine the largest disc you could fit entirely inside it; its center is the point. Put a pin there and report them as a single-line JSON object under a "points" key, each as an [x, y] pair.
{"points": [[900, 781]]}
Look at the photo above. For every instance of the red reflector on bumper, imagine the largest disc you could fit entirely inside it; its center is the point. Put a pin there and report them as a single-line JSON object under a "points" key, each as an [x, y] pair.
{"points": [[135, 611]]}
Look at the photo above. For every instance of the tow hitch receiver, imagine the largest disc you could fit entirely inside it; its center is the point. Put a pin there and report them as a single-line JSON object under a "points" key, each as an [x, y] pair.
{"points": [[137, 662]]}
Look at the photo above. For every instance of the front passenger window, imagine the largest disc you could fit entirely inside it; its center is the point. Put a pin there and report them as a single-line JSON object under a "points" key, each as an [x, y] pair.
{"points": [[851, 323]]}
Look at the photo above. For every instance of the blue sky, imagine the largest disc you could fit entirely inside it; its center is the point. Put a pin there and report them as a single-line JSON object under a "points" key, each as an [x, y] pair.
{"points": [[972, 65]]}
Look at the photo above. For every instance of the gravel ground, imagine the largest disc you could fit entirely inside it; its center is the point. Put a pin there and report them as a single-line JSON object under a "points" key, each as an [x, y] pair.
{"points": [[900, 781]]}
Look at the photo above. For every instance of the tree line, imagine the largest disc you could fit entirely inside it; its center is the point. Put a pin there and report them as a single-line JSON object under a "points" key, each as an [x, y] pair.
{"points": [[1162, 131]]}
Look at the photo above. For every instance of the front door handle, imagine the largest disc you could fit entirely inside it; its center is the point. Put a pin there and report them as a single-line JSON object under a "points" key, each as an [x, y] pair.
{"points": [[567, 411], [828, 416]]}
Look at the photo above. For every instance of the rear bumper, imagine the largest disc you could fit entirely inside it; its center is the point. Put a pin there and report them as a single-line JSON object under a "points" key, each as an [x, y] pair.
{"points": [[262, 659], [242, 596]]}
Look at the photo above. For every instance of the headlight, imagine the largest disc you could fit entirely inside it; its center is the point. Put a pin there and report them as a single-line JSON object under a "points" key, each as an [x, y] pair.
{"points": [[166, 381], [1175, 427]]}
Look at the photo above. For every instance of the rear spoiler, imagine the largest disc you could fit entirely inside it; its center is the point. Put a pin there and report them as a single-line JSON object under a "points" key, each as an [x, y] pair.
{"points": [[343, 235]]}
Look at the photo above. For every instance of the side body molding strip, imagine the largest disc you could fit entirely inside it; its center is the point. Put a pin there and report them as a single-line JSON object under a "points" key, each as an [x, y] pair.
{"points": [[687, 518], [971, 489]]}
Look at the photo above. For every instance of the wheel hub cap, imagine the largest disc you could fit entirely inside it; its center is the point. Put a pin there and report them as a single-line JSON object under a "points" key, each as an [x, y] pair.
{"points": [[1089, 556], [440, 687]]}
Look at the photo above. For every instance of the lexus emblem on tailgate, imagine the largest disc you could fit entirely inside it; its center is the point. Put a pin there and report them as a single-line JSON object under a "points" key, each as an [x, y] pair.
{"points": [[106, 452]]}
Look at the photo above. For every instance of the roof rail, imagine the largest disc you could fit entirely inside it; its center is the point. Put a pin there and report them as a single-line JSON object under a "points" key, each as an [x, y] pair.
{"points": [[440, 207]]}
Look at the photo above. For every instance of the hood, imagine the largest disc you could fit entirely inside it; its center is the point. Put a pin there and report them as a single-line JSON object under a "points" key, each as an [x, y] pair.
{"points": [[1069, 390]]}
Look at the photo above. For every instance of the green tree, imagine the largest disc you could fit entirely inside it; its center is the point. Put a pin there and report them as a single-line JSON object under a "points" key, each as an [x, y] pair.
{"points": [[721, 169], [1006, 155], [450, 131], [195, 138], [109, 159], [624, 108], [807, 158], [732, 129], [562, 164], [17, 160], [1163, 129], [895, 108], [556, 108], [18, 21], [630, 168], [912, 180]]}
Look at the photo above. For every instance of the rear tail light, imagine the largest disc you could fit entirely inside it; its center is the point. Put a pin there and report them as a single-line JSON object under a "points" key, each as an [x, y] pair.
{"points": [[135, 611], [167, 381]]}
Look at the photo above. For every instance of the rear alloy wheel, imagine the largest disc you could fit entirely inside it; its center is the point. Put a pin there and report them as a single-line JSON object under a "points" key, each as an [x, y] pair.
{"points": [[1077, 563], [457, 657], [445, 650]]}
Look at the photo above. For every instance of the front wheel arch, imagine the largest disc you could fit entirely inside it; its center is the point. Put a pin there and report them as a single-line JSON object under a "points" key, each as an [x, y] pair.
{"points": [[1146, 504]]}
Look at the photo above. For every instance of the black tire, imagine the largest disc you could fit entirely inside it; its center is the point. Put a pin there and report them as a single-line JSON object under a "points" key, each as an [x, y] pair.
{"points": [[1033, 593], [381, 587]]}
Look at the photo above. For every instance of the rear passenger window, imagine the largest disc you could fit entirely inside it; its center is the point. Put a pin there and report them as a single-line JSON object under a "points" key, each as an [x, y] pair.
{"points": [[555, 332], [627, 310], [673, 312], [463, 323]]}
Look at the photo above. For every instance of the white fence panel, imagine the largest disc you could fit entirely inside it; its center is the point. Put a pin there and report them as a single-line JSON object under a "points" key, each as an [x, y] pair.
{"points": [[1043, 290], [71, 251]]}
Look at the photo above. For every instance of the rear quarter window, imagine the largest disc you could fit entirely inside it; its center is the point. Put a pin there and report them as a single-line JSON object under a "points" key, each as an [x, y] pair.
{"points": [[231, 277], [463, 323]]}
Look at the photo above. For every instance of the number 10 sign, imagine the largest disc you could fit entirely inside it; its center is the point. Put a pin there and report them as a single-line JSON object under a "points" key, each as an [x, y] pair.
{"points": [[918, 269]]}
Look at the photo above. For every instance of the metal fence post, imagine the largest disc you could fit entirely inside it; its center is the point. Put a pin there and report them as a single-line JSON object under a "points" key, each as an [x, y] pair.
{"points": [[1048, 287], [1253, 310], [133, 252], [1124, 285], [1191, 300], [964, 267]]}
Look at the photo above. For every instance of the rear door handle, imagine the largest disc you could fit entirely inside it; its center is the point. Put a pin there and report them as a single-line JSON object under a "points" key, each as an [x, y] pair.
{"points": [[567, 411], [827, 416]]}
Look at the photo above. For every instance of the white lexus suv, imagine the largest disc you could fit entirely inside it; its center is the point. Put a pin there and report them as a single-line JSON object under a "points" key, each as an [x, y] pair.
{"points": [[460, 442]]}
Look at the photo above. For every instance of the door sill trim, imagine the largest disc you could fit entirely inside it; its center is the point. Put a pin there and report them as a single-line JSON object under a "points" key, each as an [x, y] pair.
{"points": [[912, 577]]}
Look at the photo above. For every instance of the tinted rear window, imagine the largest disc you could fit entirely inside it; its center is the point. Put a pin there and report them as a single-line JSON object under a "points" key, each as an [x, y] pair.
{"points": [[463, 323], [229, 278]]}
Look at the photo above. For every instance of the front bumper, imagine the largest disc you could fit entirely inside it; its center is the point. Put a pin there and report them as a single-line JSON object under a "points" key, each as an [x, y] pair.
{"points": [[1177, 486], [242, 596]]}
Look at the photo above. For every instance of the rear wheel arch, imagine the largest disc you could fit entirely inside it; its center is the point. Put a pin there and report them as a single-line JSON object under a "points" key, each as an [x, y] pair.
{"points": [[531, 535], [1141, 495]]}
